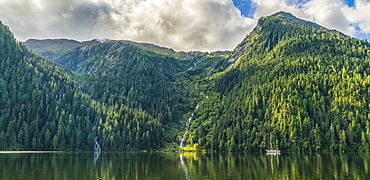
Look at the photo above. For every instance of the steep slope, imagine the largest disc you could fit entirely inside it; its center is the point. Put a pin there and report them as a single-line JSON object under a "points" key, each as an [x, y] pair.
{"points": [[293, 85], [73, 54], [43, 107], [39, 102], [60, 50], [290, 84], [156, 80]]}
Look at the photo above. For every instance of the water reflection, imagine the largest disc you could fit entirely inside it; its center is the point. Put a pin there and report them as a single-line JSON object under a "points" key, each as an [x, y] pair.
{"points": [[96, 156], [184, 167], [158, 166]]}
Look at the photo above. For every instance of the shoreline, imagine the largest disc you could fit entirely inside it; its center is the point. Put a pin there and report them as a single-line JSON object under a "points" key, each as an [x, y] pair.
{"points": [[24, 152]]}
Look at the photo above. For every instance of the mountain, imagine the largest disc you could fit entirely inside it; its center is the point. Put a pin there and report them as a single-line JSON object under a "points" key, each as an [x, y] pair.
{"points": [[152, 79], [293, 85], [40, 103], [290, 84], [144, 76], [82, 57], [45, 106]]}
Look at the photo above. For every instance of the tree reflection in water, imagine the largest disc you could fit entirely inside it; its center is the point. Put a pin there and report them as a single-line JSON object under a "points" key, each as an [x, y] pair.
{"points": [[186, 166]]}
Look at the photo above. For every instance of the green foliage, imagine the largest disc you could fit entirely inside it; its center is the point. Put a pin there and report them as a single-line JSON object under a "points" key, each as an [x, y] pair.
{"points": [[39, 101], [290, 84], [296, 87], [154, 80], [127, 94], [45, 107]]}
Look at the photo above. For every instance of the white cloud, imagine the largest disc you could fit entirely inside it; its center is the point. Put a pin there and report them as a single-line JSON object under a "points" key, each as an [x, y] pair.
{"points": [[180, 24], [359, 15], [328, 13], [206, 25], [268, 7], [44, 18], [183, 25]]}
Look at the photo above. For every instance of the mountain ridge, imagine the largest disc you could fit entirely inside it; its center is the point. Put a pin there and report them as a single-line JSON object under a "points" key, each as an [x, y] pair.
{"points": [[289, 84], [283, 84]]}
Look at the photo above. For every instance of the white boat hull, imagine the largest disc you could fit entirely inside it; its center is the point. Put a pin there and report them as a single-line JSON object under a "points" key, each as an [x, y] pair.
{"points": [[273, 151]]}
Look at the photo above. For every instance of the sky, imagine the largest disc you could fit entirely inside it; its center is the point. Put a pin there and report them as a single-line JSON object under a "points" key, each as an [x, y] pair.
{"points": [[202, 25]]}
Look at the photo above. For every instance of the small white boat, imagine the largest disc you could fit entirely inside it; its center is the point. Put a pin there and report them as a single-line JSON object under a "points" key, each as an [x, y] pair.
{"points": [[273, 151]]}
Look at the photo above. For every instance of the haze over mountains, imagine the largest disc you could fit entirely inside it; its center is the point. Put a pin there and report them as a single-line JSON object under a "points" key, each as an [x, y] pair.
{"points": [[290, 84]]}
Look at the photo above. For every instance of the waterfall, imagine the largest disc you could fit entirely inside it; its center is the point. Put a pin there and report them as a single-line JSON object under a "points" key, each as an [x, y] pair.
{"points": [[96, 145], [96, 150], [197, 106], [187, 125]]}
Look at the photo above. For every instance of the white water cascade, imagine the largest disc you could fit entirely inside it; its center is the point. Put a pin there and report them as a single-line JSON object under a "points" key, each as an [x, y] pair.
{"points": [[96, 150], [187, 125]]}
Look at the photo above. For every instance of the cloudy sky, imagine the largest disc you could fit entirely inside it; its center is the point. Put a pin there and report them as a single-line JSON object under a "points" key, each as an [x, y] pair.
{"points": [[205, 25]]}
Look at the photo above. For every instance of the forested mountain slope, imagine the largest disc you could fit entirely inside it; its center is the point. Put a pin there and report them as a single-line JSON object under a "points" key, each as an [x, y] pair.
{"points": [[41, 106], [290, 84], [44, 106], [156, 80], [295, 86]]}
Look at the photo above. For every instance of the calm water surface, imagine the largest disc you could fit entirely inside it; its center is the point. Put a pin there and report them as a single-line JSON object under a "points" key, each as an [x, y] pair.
{"points": [[177, 166]]}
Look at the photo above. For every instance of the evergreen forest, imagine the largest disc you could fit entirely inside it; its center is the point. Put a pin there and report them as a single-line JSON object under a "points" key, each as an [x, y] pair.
{"points": [[290, 84]]}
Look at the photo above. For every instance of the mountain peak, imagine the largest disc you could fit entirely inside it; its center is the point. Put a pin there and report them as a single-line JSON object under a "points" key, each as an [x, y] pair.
{"points": [[284, 14], [276, 27], [286, 18]]}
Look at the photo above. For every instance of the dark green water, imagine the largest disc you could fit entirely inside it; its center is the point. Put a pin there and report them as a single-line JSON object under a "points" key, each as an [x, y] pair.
{"points": [[177, 166]]}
